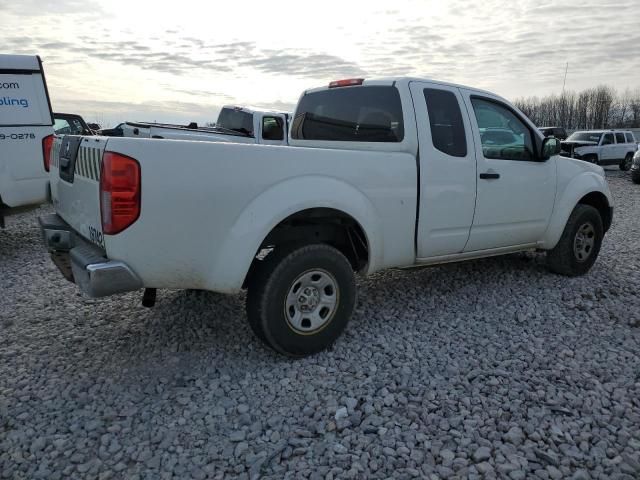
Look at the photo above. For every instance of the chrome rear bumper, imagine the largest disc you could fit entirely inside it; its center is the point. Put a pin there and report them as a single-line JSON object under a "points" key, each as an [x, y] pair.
{"points": [[84, 263]]}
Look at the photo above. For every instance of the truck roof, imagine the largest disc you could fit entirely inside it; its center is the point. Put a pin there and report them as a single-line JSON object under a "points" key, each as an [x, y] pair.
{"points": [[406, 80], [20, 62], [603, 131], [250, 109]]}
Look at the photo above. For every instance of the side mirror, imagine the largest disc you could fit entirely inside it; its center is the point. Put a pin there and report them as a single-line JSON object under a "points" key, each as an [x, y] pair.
{"points": [[550, 147]]}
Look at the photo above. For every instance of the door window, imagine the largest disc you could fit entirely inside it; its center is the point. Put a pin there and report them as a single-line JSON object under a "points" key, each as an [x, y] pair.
{"points": [[620, 137], [607, 139], [445, 118], [630, 138], [503, 135], [272, 128]]}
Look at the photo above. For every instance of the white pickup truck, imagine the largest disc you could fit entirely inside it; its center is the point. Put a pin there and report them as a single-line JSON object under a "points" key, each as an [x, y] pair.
{"points": [[235, 124], [379, 174], [26, 134]]}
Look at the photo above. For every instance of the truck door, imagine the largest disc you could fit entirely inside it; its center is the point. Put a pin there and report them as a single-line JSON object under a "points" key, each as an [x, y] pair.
{"points": [[447, 166], [621, 146], [516, 191], [607, 148]]}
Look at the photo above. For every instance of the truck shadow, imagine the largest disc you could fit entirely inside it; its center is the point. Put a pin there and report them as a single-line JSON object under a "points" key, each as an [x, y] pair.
{"points": [[201, 321]]}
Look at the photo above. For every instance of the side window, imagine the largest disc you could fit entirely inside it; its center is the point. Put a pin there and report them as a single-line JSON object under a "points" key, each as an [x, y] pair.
{"points": [[620, 137], [503, 135], [445, 118], [272, 128], [607, 139], [630, 138]]}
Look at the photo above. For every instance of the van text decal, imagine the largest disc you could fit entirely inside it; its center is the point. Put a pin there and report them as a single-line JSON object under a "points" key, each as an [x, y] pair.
{"points": [[9, 85], [17, 136], [7, 102]]}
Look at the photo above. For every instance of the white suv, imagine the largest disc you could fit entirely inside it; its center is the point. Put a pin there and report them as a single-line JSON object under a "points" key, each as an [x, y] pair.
{"points": [[602, 147]]}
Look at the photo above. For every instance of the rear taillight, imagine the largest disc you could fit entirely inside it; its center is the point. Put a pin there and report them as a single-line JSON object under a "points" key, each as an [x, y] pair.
{"points": [[349, 82], [47, 144], [119, 192]]}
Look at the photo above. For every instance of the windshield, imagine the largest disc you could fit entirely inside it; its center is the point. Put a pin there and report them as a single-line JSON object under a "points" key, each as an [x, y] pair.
{"points": [[237, 120], [497, 137], [585, 137]]}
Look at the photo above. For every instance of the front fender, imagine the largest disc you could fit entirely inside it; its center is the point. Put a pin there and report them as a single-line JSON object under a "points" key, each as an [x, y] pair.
{"points": [[576, 188], [277, 203]]}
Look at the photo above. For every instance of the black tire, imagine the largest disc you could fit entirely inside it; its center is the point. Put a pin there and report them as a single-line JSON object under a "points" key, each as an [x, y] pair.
{"points": [[567, 259], [274, 282], [592, 159], [635, 176], [626, 163]]}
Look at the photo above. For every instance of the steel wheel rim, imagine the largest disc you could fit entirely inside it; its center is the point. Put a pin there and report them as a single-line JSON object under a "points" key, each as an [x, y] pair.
{"points": [[628, 162], [584, 242], [312, 301]]}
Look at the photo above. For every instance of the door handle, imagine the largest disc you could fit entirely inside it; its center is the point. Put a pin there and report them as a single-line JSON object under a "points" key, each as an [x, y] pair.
{"points": [[489, 176]]}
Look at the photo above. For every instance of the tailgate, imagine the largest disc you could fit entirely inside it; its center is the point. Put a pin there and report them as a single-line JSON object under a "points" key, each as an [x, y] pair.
{"points": [[74, 179]]}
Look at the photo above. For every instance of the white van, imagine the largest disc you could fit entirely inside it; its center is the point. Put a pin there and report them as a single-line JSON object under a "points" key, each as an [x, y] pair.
{"points": [[26, 134]]}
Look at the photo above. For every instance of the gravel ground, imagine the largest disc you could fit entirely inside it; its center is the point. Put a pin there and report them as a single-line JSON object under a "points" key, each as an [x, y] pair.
{"points": [[493, 368]]}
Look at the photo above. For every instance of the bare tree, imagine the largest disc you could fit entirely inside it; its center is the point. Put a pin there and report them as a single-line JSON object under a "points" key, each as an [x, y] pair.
{"points": [[599, 107]]}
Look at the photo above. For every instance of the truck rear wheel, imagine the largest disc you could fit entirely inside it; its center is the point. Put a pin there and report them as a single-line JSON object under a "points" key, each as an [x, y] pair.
{"points": [[592, 159], [579, 245], [300, 300], [626, 163]]}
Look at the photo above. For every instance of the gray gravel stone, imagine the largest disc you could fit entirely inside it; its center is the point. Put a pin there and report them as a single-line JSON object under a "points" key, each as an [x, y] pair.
{"points": [[481, 454], [488, 369]]}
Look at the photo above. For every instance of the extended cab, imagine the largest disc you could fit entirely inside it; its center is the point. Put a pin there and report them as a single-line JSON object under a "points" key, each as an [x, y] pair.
{"points": [[380, 174], [26, 134], [602, 147], [234, 124]]}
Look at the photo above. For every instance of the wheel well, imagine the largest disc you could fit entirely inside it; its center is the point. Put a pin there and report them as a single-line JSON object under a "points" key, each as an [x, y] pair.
{"points": [[598, 201], [318, 225]]}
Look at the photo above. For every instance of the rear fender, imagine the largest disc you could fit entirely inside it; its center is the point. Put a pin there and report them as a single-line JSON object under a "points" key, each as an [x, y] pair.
{"points": [[273, 206]]}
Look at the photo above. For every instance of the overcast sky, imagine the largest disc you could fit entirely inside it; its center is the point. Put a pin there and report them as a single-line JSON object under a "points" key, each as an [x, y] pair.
{"points": [[180, 61]]}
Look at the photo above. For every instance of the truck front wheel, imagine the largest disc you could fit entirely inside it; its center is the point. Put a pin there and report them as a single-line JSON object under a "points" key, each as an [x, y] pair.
{"points": [[579, 245], [300, 299]]}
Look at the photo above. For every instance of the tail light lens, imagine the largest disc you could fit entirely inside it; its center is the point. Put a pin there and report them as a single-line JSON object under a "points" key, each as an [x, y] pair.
{"points": [[119, 192], [47, 144]]}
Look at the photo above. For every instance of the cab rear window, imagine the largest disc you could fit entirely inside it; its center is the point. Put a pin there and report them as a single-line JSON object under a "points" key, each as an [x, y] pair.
{"points": [[237, 120], [350, 114]]}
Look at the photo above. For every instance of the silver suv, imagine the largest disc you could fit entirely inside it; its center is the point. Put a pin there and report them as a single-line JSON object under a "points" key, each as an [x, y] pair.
{"points": [[602, 147]]}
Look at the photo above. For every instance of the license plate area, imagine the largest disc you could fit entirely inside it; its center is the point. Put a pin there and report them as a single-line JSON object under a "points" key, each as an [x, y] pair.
{"points": [[68, 155]]}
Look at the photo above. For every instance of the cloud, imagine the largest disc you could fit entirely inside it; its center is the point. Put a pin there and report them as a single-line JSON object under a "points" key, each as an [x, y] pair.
{"points": [[313, 65], [513, 48]]}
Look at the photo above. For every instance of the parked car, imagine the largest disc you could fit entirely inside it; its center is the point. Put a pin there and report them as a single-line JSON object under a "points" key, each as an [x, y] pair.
{"points": [[602, 147], [558, 132], [235, 124], [635, 168], [351, 194], [26, 134], [70, 124]]}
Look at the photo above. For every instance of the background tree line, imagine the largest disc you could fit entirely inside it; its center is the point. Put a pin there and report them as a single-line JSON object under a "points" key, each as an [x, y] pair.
{"points": [[593, 108]]}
